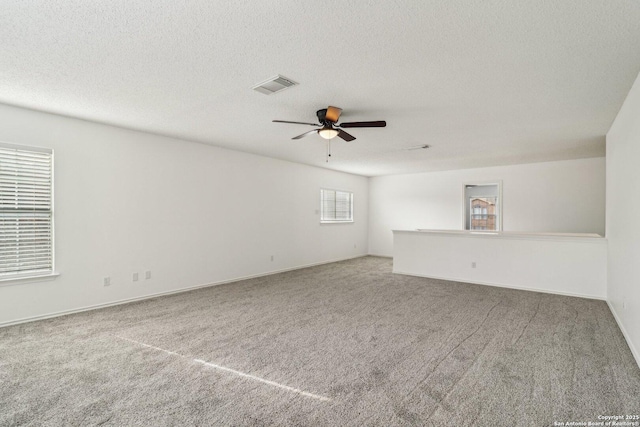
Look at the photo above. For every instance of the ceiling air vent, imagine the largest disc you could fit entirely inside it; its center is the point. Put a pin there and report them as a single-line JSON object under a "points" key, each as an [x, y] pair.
{"points": [[274, 84]]}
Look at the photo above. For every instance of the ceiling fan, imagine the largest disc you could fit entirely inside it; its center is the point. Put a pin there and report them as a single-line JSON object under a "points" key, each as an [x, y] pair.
{"points": [[328, 118]]}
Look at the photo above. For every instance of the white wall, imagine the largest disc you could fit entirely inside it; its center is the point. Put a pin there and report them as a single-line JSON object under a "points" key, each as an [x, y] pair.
{"points": [[193, 214], [560, 197], [623, 214], [559, 264]]}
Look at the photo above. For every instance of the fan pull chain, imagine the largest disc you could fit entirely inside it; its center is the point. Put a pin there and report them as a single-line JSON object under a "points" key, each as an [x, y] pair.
{"points": [[328, 149]]}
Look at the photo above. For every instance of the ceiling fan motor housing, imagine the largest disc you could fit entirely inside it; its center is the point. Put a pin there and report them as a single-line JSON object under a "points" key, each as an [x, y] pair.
{"points": [[322, 115]]}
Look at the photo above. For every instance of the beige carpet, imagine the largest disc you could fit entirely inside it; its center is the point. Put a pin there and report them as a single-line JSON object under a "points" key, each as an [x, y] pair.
{"points": [[342, 344]]}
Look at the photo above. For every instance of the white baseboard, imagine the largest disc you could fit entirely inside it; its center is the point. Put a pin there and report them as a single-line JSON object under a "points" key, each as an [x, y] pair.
{"points": [[382, 256], [634, 351], [498, 285], [175, 291]]}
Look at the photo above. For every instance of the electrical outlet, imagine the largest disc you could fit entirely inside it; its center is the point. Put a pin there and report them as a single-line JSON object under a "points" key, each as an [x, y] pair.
{"points": [[147, 275], [135, 277], [355, 246], [106, 281], [271, 258], [473, 264]]}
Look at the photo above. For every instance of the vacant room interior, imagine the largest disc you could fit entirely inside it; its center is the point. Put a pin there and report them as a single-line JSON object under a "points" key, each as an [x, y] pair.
{"points": [[360, 213]]}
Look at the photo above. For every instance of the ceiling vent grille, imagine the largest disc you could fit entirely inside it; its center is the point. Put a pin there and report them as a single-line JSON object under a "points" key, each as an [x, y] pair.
{"points": [[274, 84]]}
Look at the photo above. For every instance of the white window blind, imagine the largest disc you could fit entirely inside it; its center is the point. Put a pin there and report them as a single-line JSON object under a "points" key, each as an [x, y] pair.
{"points": [[336, 206], [26, 231]]}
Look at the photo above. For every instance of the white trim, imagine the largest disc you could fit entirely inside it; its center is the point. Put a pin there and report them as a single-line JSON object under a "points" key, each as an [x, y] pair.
{"points": [[47, 277], [634, 351], [175, 291], [380, 256], [53, 215], [497, 285], [562, 237], [36, 149]]}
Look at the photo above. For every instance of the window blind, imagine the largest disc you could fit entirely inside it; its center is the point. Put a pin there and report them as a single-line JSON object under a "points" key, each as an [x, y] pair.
{"points": [[26, 232], [336, 205]]}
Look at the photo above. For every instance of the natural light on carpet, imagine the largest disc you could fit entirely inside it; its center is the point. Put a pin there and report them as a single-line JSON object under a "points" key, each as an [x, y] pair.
{"points": [[232, 371]]}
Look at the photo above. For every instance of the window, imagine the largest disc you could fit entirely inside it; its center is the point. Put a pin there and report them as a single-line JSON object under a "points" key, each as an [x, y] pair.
{"points": [[336, 206], [26, 212], [482, 206]]}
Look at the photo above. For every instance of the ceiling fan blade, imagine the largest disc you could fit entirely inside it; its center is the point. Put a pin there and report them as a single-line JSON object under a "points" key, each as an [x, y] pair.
{"points": [[333, 114], [305, 134], [295, 123], [417, 147], [346, 136], [376, 124]]}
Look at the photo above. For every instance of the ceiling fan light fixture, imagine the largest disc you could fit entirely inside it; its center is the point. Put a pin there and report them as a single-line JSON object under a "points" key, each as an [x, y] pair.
{"points": [[328, 133]]}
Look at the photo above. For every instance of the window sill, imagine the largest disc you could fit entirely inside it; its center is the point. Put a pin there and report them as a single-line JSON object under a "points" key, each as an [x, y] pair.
{"points": [[29, 279], [336, 222]]}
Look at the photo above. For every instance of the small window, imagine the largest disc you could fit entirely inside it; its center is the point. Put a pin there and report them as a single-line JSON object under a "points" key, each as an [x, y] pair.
{"points": [[336, 206], [26, 212], [483, 206]]}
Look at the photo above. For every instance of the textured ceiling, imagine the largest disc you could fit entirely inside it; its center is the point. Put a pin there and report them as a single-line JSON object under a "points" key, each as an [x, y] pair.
{"points": [[483, 82]]}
